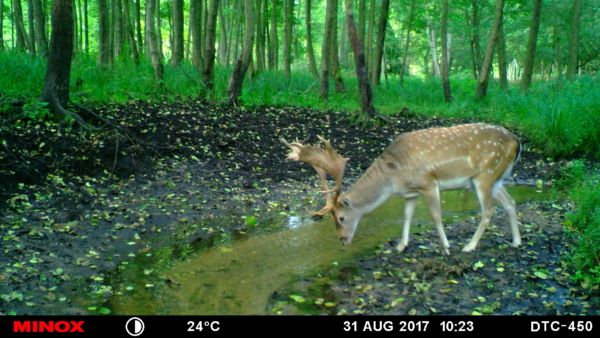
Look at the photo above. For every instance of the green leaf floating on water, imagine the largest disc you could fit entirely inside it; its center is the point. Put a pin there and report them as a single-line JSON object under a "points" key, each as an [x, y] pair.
{"points": [[298, 298]]}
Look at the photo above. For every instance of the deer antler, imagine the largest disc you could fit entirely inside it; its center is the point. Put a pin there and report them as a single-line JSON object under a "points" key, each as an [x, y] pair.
{"points": [[324, 161]]}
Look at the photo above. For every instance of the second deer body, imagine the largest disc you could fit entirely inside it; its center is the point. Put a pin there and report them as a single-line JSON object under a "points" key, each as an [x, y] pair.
{"points": [[422, 163]]}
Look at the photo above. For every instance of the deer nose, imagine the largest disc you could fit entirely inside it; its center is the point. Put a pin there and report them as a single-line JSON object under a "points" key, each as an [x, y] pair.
{"points": [[344, 240]]}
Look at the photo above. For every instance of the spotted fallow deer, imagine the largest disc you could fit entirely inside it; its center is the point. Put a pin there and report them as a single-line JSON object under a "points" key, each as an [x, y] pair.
{"points": [[422, 162]]}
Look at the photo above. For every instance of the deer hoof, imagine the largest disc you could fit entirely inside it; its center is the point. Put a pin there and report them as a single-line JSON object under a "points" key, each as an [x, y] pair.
{"points": [[400, 247], [469, 247]]}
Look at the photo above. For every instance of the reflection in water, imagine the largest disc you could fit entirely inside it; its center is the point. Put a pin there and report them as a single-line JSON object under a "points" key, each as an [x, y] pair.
{"points": [[293, 222], [240, 277]]}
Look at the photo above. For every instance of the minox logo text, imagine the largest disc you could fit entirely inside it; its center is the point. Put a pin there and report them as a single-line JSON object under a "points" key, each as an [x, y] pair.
{"points": [[60, 326]]}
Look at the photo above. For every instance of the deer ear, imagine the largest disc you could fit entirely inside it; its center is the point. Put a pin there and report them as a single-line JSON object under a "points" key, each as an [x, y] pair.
{"points": [[346, 202]]}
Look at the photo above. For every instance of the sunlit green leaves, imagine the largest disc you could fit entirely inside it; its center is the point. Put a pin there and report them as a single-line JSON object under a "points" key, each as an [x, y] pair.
{"points": [[478, 265], [297, 298]]}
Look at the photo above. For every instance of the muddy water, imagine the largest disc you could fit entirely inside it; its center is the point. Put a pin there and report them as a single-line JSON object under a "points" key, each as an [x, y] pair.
{"points": [[238, 278]]}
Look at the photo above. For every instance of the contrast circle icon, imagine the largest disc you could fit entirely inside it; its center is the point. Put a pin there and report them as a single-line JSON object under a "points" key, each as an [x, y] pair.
{"points": [[134, 326]]}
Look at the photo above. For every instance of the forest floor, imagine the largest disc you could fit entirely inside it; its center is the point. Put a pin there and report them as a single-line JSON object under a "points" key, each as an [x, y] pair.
{"points": [[77, 205]]}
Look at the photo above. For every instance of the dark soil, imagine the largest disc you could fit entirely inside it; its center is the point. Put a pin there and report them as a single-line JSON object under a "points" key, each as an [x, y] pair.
{"points": [[75, 204], [243, 142]]}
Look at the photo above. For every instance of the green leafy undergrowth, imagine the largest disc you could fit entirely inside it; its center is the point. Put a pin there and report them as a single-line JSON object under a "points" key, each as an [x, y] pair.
{"points": [[562, 118], [584, 222]]}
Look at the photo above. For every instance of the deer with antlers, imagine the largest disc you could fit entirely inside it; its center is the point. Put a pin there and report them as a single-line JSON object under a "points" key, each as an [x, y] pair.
{"points": [[420, 163]]}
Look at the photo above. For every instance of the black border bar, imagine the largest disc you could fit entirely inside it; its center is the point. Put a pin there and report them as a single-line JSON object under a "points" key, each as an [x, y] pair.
{"points": [[338, 326]]}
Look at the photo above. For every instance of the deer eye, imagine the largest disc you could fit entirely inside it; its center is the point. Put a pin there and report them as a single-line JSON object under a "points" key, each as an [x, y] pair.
{"points": [[342, 218]]}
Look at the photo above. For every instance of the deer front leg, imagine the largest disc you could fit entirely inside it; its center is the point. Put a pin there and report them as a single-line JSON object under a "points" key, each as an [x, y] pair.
{"points": [[409, 210], [510, 207], [484, 194], [435, 208]]}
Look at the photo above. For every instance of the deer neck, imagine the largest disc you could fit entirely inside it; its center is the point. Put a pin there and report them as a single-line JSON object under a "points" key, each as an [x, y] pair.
{"points": [[370, 191]]}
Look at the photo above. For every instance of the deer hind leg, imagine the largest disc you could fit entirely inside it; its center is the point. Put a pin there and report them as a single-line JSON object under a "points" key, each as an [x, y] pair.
{"points": [[509, 205], [433, 201], [484, 194], [409, 210]]}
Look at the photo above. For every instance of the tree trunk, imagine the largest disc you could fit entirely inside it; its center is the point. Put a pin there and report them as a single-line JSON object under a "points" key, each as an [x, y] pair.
{"points": [[234, 88], [238, 31], [75, 28], [330, 20], [574, 40], [209, 45], [103, 34], [343, 54], [475, 39], [502, 63], [58, 71], [380, 41], [260, 38], [273, 42], [366, 94], [152, 41], [111, 29], [138, 25], [170, 23], [309, 45], [204, 11], [40, 28], [333, 54], [411, 17], [362, 15], [129, 35], [223, 36], [20, 27], [370, 31], [118, 36], [445, 70], [80, 25], [288, 13], [31, 26], [86, 27], [177, 19], [195, 26], [265, 34], [296, 40], [433, 49], [1, 26], [558, 55], [484, 74], [188, 41], [531, 46], [158, 29]]}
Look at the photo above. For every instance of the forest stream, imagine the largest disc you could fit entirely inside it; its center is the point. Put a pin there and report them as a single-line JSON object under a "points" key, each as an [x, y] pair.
{"points": [[239, 278]]}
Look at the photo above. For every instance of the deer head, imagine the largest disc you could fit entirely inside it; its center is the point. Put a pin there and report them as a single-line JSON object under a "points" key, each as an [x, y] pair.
{"points": [[325, 160]]}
